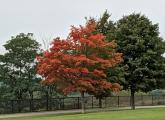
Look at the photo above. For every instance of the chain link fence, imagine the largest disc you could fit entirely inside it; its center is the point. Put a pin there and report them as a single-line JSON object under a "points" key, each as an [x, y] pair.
{"points": [[34, 105]]}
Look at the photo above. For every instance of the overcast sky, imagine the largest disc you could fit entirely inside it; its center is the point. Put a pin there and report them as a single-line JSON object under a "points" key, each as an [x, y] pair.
{"points": [[51, 18]]}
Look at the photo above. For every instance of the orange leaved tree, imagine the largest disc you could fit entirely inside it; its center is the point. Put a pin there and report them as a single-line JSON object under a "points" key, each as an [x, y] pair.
{"points": [[79, 63]]}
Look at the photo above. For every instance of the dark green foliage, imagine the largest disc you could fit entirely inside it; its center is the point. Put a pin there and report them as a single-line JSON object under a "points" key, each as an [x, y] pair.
{"points": [[138, 39], [143, 68], [106, 26], [144, 64], [18, 67]]}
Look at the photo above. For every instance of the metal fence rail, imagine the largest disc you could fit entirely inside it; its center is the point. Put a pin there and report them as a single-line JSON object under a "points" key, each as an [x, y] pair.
{"points": [[31, 105]]}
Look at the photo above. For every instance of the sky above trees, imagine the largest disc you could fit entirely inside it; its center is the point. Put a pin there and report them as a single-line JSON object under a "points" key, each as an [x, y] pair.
{"points": [[50, 18]]}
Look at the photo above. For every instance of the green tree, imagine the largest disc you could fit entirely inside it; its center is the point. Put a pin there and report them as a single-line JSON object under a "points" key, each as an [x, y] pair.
{"points": [[138, 39], [106, 26], [18, 66], [142, 47]]}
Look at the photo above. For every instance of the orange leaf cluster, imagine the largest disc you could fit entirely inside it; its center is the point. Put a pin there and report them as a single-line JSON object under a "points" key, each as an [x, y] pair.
{"points": [[78, 62]]}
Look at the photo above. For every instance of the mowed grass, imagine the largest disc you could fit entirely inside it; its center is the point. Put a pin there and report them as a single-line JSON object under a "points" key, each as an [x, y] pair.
{"points": [[139, 114]]}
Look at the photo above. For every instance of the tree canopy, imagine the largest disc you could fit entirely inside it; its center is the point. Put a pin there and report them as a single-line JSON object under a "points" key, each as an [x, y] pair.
{"points": [[79, 63], [142, 47], [18, 66]]}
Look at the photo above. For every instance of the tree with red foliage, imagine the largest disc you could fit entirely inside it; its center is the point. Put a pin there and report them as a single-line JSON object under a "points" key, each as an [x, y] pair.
{"points": [[79, 63]]}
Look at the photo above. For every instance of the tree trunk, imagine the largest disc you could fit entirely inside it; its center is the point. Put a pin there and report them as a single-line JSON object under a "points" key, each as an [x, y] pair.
{"points": [[132, 99], [82, 103], [31, 95], [100, 103]]}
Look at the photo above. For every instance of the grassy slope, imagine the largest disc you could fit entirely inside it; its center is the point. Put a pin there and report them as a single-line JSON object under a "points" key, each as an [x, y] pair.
{"points": [[140, 114]]}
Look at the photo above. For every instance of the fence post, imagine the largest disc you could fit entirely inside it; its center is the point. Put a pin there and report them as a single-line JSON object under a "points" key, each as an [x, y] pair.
{"points": [[142, 102], [30, 103], [47, 102], [50, 103], [78, 102], [105, 102], [130, 100], [19, 105], [92, 101], [12, 106], [118, 101], [152, 101], [63, 103]]}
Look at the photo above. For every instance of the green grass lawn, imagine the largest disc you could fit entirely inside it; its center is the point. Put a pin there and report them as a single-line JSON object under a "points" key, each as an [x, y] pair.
{"points": [[140, 114]]}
